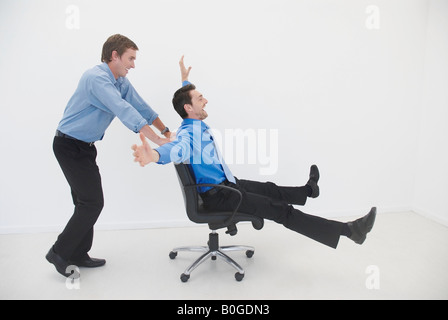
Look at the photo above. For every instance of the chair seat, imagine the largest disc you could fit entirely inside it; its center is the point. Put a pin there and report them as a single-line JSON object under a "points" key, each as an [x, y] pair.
{"points": [[216, 220]]}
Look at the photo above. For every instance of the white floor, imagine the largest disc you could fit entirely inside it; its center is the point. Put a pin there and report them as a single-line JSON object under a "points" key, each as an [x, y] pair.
{"points": [[405, 257]]}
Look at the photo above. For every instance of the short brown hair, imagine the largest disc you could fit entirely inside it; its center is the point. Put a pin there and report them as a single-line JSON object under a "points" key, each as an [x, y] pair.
{"points": [[118, 43]]}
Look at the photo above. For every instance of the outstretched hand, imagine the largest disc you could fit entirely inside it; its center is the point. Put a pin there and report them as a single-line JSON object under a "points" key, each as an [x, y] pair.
{"points": [[185, 73], [143, 154]]}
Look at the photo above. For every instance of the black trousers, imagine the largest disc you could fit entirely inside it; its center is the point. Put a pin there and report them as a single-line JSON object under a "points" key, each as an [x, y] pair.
{"points": [[78, 163], [272, 202]]}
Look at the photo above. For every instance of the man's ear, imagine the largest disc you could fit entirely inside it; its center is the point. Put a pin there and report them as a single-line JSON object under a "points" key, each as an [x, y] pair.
{"points": [[188, 108], [115, 55]]}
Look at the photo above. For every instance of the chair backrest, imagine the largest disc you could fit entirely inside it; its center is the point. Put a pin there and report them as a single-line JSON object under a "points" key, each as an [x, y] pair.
{"points": [[191, 196]]}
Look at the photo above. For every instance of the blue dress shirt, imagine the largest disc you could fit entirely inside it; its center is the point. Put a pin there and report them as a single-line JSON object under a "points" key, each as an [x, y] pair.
{"points": [[194, 146], [100, 98]]}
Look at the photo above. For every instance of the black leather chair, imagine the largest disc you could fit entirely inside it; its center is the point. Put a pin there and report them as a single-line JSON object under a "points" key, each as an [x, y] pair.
{"points": [[215, 220]]}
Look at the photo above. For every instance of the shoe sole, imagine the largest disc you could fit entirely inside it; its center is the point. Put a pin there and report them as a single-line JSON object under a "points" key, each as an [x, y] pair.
{"points": [[372, 216], [317, 176], [80, 265]]}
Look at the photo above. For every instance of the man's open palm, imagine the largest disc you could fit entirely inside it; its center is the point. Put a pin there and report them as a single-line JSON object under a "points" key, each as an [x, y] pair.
{"points": [[143, 154]]}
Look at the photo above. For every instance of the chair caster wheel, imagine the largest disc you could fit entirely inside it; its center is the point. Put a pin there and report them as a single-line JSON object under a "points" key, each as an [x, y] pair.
{"points": [[173, 255], [184, 277], [239, 276], [250, 253]]}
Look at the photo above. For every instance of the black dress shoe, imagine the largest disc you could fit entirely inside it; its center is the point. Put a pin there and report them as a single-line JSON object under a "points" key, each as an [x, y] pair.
{"points": [[361, 227], [312, 182], [88, 262], [60, 264]]}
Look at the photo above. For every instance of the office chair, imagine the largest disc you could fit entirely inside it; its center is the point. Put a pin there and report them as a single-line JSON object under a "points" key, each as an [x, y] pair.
{"points": [[215, 220]]}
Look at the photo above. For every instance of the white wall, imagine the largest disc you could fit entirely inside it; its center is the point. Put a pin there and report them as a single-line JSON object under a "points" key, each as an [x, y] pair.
{"points": [[339, 93], [431, 184]]}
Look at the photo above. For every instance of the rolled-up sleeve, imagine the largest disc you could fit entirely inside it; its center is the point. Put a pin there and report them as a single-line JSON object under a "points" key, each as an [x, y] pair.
{"points": [[105, 96]]}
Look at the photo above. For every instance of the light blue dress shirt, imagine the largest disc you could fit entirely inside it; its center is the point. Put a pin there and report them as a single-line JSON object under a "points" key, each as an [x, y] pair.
{"points": [[100, 98]]}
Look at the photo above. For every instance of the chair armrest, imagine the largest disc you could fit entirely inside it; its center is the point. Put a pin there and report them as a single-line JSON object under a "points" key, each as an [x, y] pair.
{"points": [[222, 187]]}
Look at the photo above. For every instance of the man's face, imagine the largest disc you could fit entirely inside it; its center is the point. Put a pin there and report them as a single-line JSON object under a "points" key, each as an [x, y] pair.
{"points": [[196, 109], [121, 65]]}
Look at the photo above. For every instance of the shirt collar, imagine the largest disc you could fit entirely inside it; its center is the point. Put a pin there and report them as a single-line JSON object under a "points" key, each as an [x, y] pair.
{"points": [[105, 67], [189, 121]]}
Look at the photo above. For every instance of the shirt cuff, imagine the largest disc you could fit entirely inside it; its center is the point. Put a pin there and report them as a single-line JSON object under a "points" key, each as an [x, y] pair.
{"points": [[185, 83], [154, 117], [140, 126], [164, 154]]}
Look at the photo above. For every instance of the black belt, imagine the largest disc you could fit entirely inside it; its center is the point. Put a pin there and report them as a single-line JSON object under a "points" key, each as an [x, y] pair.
{"points": [[213, 191], [63, 135]]}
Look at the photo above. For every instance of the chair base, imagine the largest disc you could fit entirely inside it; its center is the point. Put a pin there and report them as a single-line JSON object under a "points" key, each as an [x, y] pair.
{"points": [[213, 251]]}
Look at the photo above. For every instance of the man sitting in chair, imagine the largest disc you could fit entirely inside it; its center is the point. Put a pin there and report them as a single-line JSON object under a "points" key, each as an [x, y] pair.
{"points": [[194, 145]]}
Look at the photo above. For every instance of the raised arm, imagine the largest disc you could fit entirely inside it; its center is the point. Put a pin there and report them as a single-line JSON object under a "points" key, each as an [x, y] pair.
{"points": [[185, 73]]}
